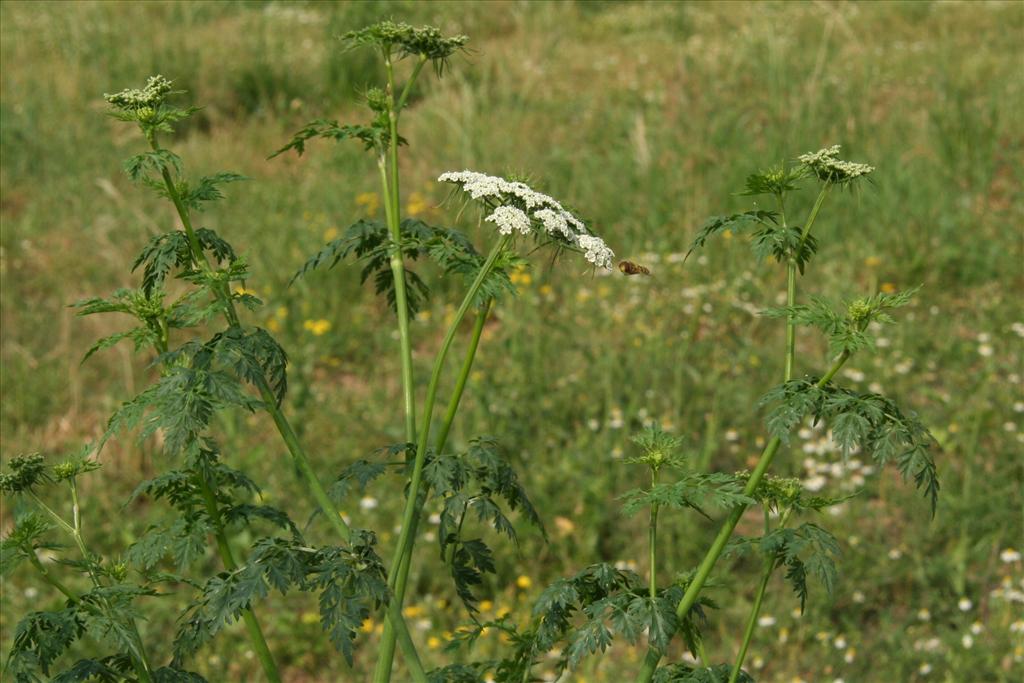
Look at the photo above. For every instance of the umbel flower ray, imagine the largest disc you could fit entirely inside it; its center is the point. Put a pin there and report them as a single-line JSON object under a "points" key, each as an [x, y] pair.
{"points": [[518, 208], [826, 164]]}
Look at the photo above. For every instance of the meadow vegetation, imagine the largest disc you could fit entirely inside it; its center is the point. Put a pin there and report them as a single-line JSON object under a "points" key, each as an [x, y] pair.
{"points": [[648, 118]]}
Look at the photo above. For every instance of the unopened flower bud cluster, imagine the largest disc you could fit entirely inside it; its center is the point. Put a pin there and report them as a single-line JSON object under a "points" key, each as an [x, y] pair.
{"points": [[826, 164], [517, 202], [151, 96]]}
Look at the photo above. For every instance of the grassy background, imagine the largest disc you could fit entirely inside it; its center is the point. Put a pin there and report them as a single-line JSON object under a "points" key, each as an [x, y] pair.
{"points": [[647, 117]]}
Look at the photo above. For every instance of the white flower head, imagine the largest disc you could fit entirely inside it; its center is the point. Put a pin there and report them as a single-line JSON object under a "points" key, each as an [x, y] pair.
{"points": [[518, 208], [509, 219], [827, 166]]}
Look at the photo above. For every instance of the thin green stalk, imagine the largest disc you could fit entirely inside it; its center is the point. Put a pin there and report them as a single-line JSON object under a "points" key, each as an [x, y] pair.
{"points": [[652, 540], [407, 538], [301, 460], [755, 610], [50, 578], [689, 598], [252, 625], [813, 215], [449, 418], [140, 661], [392, 199]]}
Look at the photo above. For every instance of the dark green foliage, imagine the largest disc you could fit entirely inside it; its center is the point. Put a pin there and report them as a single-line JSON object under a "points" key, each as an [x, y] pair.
{"points": [[847, 330], [23, 540], [869, 422], [691, 490], [26, 472], [374, 136], [493, 479], [39, 639], [806, 549], [370, 243], [585, 613], [775, 181], [736, 221], [112, 669], [683, 673], [351, 581], [461, 673]]}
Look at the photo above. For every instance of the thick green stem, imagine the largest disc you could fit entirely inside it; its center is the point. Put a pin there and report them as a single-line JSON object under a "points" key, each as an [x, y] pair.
{"points": [[652, 542], [227, 557], [392, 200], [291, 440], [689, 598], [407, 537], [755, 610], [449, 417]]}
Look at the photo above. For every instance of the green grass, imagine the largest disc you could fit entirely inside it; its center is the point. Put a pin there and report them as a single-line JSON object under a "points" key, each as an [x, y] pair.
{"points": [[646, 117]]}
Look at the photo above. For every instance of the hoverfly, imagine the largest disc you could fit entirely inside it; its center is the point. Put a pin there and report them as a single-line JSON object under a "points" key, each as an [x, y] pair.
{"points": [[630, 268]]}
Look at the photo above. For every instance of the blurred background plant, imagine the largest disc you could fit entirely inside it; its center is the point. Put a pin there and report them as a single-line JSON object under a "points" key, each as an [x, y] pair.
{"points": [[646, 115]]}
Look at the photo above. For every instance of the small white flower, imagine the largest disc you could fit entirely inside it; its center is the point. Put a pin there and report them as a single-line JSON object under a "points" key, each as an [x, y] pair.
{"points": [[924, 615], [965, 605], [766, 621], [596, 251], [1009, 556], [1017, 626], [896, 554], [967, 641], [858, 597], [839, 643], [368, 503], [985, 350], [435, 519], [977, 627], [924, 669], [509, 219]]}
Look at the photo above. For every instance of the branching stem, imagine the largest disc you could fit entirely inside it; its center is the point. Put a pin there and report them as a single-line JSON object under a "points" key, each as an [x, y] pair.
{"points": [[291, 440], [407, 538]]}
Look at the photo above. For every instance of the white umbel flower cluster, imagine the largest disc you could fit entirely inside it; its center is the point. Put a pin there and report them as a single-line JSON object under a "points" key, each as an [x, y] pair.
{"points": [[519, 205], [826, 164], [509, 219]]}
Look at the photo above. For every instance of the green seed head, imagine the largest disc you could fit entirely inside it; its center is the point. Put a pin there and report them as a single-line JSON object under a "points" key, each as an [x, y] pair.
{"points": [[26, 471], [859, 310]]}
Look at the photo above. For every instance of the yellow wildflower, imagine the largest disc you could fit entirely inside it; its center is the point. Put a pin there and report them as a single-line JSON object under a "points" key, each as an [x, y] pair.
{"points": [[317, 327], [524, 581], [888, 287], [412, 611], [417, 204], [310, 617], [486, 605], [367, 626], [330, 234], [872, 262], [433, 642], [370, 202]]}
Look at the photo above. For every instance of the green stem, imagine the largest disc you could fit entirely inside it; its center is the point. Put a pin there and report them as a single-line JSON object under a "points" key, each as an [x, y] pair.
{"points": [[689, 598], [407, 537], [291, 440], [393, 200], [139, 659], [449, 418], [813, 215], [755, 610], [400, 105], [48, 577], [252, 625], [652, 540]]}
